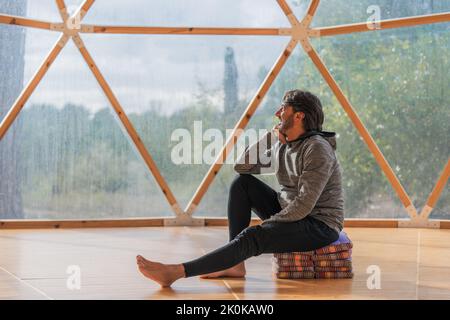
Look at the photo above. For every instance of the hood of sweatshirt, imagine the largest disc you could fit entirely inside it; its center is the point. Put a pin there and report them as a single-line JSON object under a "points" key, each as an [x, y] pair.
{"points": [[329, 136]]}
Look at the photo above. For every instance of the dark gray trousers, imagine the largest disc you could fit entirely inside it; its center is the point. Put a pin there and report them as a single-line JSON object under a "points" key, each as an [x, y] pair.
{"points": [[248, 194]]}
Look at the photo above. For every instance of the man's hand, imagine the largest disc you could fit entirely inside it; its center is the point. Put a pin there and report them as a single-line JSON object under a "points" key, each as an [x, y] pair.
{"points": [[278, 134]]}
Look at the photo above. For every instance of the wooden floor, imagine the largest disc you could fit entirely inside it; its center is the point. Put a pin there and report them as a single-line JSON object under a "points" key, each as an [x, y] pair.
{"points": [[414, 264]]}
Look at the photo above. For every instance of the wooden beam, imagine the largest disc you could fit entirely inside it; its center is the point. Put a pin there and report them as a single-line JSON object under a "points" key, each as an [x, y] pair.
{"points": [[159, 222], [128, 126], [349, 223], [62, 9], [242, 123], [183, 30], [370, 223], [32, 84], [382, 25], [84, 8], [313, 5], [61, 5], [310, 12], [25, 22], [223, 222], [444, 224], [288, 12], [63, 224], [437, 190], [373, 147], [285, 7]]}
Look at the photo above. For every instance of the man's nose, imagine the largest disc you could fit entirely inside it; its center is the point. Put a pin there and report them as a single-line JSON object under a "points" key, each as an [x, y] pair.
{"points": [[278, 113]]}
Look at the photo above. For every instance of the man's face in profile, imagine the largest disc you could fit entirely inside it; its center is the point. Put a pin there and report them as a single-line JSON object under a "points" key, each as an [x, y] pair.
{"points": [[286, 115]]}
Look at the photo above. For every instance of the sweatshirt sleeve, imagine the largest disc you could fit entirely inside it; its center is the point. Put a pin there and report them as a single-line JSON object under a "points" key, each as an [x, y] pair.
{"points": [[318, 164], [258, 158]]}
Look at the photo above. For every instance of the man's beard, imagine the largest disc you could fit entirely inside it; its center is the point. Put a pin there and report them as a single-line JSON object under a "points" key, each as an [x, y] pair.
{"points": [[286, 124]]}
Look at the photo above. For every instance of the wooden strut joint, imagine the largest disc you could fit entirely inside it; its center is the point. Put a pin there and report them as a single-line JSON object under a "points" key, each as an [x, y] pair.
{"points": [[66, 28], [71, 25], [300, 34], [299, 31], [419, 222]]}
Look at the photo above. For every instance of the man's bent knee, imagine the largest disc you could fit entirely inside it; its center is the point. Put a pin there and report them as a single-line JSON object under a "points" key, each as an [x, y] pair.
{"points": [[241, 180]]}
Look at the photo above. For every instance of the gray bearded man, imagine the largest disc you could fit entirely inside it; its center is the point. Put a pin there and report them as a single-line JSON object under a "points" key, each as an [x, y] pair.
{"points": [[307, 213]]}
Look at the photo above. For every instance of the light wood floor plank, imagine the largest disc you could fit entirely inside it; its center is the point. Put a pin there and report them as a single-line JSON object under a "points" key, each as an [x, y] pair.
{"points": [[414, 264], [12, 288]]}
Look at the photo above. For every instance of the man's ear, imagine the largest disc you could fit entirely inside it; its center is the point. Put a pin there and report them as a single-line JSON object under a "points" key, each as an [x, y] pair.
{"points": [[300, 116]]}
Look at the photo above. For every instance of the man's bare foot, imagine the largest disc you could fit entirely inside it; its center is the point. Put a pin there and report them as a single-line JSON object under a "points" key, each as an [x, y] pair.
{"points": [[238, 271], [164, 274]]}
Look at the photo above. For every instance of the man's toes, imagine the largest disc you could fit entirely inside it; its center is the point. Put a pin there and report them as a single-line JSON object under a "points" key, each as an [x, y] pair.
{"points": [[151, 264], [144, 261], [141, 263], [147, 261]]}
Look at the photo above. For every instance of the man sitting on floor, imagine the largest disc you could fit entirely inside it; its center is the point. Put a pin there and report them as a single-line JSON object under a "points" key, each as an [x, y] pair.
{"points": [[307, 213]]}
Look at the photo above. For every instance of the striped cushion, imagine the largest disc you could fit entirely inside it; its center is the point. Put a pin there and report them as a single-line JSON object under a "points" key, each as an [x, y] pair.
{"points": [[295, 275], [334, 275], [277, 268], [343, 243], [333, 256], [294, 255], [332, 269], [313, 275], [300, 263], [330, 262], [333, 263]]}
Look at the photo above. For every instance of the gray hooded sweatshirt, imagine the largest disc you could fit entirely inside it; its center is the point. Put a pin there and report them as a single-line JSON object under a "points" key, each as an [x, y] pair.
{"points": [[308, 172]]}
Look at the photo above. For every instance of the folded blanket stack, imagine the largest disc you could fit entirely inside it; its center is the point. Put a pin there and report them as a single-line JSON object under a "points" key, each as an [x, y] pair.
{"points": [[331, 262]]}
